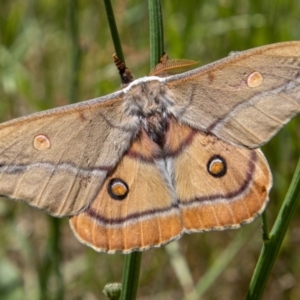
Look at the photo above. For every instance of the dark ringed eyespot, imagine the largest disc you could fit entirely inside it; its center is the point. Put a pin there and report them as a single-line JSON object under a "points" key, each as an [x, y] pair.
{"points": [[217, 166], [117, 189]]}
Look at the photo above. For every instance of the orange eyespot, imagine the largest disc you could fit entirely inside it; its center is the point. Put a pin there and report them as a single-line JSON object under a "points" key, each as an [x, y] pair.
{"points": [[217, 166], [117, 189]]}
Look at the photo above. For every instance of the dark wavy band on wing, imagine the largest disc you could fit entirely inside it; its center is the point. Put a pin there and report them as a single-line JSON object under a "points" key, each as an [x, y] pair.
{"points": [[231, 195], [72, 168], [175, 207]]}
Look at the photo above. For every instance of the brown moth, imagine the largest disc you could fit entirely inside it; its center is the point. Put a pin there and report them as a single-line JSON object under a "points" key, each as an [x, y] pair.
{"points": [[161, 157]]}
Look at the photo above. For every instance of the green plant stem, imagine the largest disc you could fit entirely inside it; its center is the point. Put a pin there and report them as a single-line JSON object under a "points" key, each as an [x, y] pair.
{"points": [[156, 32], [114, 30], [131, 268], [271, 247], [76, 51], [131, 274], [132, 261]]}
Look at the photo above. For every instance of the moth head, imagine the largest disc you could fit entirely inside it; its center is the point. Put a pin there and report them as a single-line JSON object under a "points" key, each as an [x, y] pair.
{"points": [[148, 98]]}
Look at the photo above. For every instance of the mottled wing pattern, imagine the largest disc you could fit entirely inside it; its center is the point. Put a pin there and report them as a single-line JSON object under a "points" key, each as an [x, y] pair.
{"points": [[245, 98], [57, 160]]}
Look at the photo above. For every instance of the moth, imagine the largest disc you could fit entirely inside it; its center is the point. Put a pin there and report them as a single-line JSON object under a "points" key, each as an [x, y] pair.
{"points": [[161, 157]]}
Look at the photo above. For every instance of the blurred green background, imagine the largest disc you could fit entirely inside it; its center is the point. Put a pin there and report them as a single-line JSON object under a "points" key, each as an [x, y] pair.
{"points": [[35, 73]]}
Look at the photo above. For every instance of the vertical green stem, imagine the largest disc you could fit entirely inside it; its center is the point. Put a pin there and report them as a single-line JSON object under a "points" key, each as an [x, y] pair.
{"points": [[114, 30], [131, 268], [132, 261], [272, 246], [131, 274], [156, 32], [76, 51]]}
